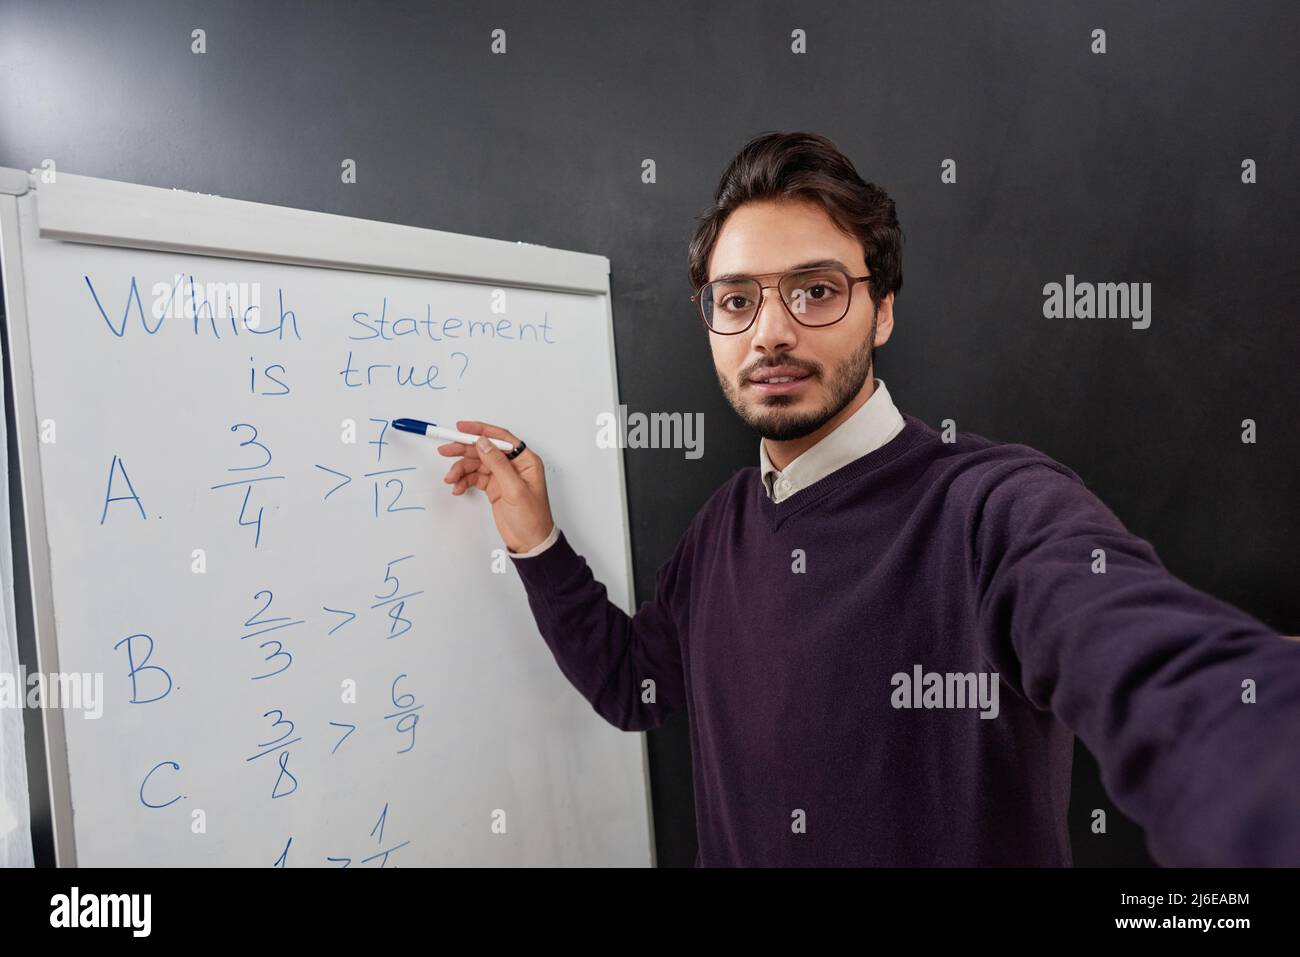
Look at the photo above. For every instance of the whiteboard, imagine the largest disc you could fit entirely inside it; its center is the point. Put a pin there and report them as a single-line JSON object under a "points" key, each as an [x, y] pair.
{"points": [[312, 654]]}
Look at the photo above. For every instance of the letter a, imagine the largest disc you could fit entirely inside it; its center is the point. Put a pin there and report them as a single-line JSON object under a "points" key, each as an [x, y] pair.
{"points": [[112, 469]]}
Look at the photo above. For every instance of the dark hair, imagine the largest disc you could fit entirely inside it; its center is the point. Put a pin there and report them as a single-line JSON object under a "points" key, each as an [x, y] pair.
{"points": [[807, 166]]}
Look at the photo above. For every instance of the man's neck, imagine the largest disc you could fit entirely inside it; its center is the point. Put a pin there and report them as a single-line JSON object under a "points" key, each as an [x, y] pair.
{"points": [[783, 453]]}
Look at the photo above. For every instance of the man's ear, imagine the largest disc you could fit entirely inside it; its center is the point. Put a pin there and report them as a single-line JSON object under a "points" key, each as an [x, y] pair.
{"points": [[884, 320]]}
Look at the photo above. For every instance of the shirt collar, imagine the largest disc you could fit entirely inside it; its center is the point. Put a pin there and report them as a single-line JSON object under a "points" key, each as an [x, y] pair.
{"points": [[871, 426]]}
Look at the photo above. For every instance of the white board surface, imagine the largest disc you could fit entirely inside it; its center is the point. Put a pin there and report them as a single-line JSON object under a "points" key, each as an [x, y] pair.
{"points": [[235, 537]]}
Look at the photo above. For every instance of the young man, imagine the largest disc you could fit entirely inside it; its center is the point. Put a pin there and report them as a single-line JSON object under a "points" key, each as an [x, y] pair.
{"points": [[885, 640]]}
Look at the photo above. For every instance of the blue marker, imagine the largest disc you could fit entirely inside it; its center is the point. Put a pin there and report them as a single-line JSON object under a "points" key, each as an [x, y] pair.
{"points": [[435, 431]]}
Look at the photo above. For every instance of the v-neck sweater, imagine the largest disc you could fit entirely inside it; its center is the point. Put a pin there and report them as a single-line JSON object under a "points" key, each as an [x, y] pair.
{"points": [[889, 668]]}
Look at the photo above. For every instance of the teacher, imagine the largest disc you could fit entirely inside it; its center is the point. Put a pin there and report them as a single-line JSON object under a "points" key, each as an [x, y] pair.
{"points": [[865, 547]]}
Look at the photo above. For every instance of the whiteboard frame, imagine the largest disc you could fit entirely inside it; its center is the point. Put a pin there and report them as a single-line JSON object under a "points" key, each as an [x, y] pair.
{"points": [[83, 209], [13, 185]]}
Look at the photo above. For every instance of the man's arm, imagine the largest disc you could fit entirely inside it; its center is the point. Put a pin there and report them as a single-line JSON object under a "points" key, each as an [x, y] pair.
{"points": [[1153, 675], [629, 668]]}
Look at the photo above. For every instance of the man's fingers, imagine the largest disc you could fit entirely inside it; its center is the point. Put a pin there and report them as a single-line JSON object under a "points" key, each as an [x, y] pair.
{"points": [[465, 469], [525, 461], [503, 470], [528, 459], [478, 467], [450, 449]]}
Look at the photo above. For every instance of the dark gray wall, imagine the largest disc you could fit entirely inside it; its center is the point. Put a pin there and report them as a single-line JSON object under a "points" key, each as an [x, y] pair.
{"points": [[1123, 168]]}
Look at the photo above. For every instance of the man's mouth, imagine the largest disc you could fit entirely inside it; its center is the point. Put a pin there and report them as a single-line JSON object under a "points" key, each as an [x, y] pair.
{"points": [[778, 380]]}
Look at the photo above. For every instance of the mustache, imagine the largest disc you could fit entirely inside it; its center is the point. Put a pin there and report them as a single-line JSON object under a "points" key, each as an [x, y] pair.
{"points": [[804, 365]]}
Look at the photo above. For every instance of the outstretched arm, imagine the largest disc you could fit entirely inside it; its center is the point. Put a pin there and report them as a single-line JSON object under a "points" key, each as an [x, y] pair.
{"points": [[1191, 706]]}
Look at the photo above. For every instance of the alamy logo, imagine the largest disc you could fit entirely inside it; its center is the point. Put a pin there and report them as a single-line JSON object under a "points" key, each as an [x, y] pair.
{"points": [[1103, 300], [930, 689], [658, 430], [184, 298], [67, 690], [103, 910]]}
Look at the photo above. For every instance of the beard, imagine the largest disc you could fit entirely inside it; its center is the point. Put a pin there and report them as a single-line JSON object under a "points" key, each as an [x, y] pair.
{"points": [[770, 416]]}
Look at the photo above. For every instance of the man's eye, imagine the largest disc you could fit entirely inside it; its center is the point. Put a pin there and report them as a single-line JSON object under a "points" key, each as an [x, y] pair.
{"points": [[730, 302]]}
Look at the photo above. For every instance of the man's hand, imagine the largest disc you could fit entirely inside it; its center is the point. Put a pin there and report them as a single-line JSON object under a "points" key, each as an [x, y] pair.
{"points": [[515, 488]]}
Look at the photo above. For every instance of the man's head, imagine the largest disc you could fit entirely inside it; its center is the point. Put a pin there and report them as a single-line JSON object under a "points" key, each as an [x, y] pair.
{"points": [[788, 199]]}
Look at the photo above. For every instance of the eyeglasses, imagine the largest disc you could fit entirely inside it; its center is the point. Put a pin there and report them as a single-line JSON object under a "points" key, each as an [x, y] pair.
{"points": [[818, 296]]}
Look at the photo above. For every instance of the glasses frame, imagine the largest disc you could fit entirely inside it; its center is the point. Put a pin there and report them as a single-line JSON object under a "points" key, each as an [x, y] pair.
{"points": [[853, 280]]}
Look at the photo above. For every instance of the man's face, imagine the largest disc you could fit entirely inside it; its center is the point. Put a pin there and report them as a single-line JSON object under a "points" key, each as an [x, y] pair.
{"points": [[830, 365]]}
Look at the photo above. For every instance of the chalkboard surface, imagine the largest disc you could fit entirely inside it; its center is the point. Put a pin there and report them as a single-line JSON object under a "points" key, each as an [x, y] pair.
{"points": [[311, 653]]}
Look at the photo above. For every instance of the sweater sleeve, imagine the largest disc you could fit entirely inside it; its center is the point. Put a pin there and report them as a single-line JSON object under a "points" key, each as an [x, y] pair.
{"points": [[628, 667], [1153, 675]]}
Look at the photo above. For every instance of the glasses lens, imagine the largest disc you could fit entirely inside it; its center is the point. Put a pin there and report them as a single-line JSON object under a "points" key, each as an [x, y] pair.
{"points": [[728, 306], [816, 297]]}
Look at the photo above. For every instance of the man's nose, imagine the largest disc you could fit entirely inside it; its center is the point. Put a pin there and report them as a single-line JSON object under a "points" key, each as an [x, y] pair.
{"points": [[774, 327]]}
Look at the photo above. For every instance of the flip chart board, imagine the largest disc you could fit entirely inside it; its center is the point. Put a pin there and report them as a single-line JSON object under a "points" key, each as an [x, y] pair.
{"points": [[311, 653]]}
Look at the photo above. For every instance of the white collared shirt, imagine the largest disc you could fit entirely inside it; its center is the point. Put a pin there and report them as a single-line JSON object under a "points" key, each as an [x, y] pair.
{"points": [[867, 429]]}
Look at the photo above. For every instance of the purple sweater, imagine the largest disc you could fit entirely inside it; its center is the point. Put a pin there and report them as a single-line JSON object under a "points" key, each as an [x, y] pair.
{"points": [[795, 634]]}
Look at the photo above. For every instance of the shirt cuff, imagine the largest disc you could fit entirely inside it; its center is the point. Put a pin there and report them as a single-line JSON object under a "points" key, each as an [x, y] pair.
{"points": [[546, 543]]}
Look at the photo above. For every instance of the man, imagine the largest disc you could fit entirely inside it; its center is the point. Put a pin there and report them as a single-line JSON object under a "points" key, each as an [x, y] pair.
{"points": [[885, 639]]}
